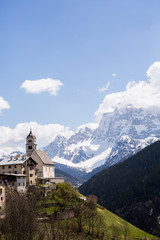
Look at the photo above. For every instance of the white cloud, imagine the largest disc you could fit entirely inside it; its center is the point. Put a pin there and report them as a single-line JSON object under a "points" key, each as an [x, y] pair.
{"points": [[142, 94], [104, 88], [3, 104], [14, 139], [37, 86], [114, 75]]}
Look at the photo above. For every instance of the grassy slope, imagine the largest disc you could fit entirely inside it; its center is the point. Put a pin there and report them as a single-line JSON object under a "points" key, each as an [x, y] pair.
{"points": [[111, 219], [114, 225]]}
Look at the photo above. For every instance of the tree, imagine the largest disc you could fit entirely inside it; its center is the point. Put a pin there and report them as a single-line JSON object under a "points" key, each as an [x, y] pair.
{"points": [[91, 212], [20, 216], [80, 209]]}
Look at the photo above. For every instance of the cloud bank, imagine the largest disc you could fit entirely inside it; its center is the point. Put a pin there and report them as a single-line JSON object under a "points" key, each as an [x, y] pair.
{"points": [[142, 94], [14, 139], [43, 85], [3, 104]]}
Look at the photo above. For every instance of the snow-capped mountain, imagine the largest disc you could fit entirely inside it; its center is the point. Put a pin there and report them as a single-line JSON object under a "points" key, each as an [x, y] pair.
{"points": [[119, 134]]}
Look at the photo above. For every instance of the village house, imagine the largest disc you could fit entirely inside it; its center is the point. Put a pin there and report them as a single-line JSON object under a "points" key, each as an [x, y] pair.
{"points": [[20, 172], [21, 165]]}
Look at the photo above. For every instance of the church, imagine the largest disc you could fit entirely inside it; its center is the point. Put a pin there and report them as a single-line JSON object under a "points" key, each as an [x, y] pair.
{"points": [[45, 166], [20, 172]]}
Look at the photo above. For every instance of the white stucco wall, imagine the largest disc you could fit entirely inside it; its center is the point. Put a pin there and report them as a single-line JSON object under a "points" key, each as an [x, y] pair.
{"points": [[48, 171], [21, 184]]}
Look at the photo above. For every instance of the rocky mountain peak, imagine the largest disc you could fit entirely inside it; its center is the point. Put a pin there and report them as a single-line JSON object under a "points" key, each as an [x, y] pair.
{"points": [[119, 134]]}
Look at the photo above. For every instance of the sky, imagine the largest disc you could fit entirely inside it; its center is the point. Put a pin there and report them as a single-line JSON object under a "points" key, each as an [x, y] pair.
{"points": [[64, 63]]}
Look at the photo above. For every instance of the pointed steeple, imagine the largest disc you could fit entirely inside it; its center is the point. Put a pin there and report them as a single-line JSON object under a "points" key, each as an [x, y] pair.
{"points": [[30, 143]]}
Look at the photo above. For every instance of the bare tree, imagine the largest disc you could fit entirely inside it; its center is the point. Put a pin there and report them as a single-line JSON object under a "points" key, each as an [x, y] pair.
{"points": [[80, 210], [20, 216], [91, 213], [125, 230]]}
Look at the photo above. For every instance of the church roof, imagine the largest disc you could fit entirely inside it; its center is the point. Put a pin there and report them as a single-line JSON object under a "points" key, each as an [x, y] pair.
{"points": [[31, 134], [44, 157]]}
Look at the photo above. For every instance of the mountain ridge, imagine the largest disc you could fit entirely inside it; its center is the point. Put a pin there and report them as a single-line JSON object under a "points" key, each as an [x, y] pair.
{"points": [[119, 135]]}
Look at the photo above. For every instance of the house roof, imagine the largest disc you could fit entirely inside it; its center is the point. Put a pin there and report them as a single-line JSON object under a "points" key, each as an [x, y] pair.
{"points": [[44, 157], [14, 161]]}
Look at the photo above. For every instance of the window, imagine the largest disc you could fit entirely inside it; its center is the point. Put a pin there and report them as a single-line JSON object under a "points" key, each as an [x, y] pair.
{"points": [[19, 184], [3, 167], [1, 198], [29, 140], [29, 147], [9, 166], [15, 166], [24, 172], [15, 172], [0, 191], [31, 181], [31, 175]]}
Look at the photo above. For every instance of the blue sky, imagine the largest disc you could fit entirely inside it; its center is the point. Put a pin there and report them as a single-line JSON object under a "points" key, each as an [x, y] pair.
{"points": [[93, 47]]}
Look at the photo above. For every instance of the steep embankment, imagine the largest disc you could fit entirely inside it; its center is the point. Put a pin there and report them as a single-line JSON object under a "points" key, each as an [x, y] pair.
{"points": [[131, 189], [64, 202]]}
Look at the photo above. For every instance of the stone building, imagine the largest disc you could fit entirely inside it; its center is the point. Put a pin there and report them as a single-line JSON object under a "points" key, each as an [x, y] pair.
{"points": [[21, 165], [45, 166], [20, 172]]}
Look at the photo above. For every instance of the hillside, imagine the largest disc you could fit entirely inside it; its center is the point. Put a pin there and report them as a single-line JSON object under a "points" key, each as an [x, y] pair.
{"points": [[59, 211], [106, 225], [131, 189]]}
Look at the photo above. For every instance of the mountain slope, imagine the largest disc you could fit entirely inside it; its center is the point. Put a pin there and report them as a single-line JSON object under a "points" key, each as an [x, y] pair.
{"points": [[68, 178], [119, 135], [118, 227], [131, 189], [106, 225]]}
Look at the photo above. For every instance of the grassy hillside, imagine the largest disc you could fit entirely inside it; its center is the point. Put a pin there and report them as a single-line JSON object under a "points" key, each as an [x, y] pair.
{"points": [[131, 189], [62, 213], [106, 224], [118, 227]]}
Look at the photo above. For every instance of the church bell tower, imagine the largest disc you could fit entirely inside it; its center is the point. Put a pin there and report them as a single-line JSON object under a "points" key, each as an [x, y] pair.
{"points": [[30, 143]]}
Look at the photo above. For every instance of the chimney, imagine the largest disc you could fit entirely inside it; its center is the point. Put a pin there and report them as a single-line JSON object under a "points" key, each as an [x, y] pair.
{"points": [[18, 156]]}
